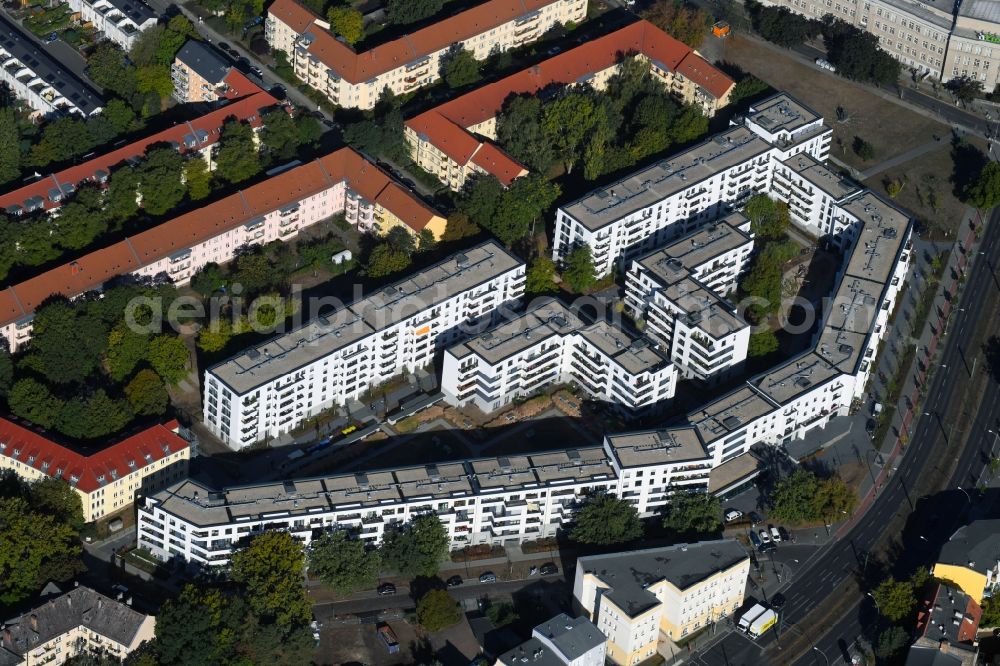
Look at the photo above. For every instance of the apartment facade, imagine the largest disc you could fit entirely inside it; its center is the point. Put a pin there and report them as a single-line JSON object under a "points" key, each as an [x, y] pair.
{"points": [[974, 46], [551, 344], [354, 79], [561, 641], [494, 500], [121, 21], [40, 80], [679, 293], [81, 622], [631, 217], [273, 387], [455, 140], [199, 73], [274, 209], [106, 481], [640, 598]]}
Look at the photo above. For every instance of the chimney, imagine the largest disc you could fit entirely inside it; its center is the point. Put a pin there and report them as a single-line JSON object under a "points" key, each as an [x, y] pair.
{"points": [[945, 646], [34, 623]]}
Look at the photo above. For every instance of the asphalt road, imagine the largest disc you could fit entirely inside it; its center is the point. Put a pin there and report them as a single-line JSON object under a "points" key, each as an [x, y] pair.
{"points": [[817, 578]]}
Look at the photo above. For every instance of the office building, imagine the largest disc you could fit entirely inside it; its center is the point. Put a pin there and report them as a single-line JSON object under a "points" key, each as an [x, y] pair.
{"points": [[560, 641], [643, 211], [277, 208], [81, 622], [455, 140], [971, 560], [107, 480], [121, 21], [39, 80], [273, 387], [356, 79], [678, 292], [551, 344], [633, 597]]}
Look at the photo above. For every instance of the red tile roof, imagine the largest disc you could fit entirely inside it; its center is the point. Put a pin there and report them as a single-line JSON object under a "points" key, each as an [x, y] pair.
{"points": [[358, 67], [444, 125], [182, 134], [85, 472], [494, 161], [182, 232]]}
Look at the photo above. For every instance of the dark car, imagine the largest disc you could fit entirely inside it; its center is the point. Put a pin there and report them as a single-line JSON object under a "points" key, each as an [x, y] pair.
{"points": [[224, 46], [548, 569], [777, 601], [386, 589], [754, 517], [488, 577], [767, 547], [454, 581], [785, 536]]}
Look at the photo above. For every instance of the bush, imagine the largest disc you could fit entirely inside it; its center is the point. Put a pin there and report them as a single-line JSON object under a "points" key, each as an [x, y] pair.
{"points": [[436, 610]]}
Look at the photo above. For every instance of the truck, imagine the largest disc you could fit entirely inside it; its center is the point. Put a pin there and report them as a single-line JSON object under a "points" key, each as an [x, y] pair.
{"points": [[748, 618], [388, 637], [764, 621]]}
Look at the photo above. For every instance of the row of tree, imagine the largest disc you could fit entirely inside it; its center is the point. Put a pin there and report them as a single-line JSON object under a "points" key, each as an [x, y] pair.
{"points": [[88, 373]]}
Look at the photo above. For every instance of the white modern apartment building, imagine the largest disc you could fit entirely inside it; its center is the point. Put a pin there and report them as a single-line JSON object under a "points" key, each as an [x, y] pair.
{"points": [[649, 208], [551, 344], [679, 293], [635, 597], [273, 387], [40, 80], [342, 182], [121, 21], [487, 500], [813, 193], [353, 79]]}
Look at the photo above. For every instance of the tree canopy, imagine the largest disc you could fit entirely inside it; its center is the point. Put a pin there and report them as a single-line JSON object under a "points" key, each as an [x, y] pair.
{"points": [[460, 69], [437, 610], [346, 22], [802, 497], [417, 548], [769, 218], [604, 520], [237, 159], [342, 562], [693, 513], [271, 568], [681, 21], [404, 12], [579, 272], [984, 191]]}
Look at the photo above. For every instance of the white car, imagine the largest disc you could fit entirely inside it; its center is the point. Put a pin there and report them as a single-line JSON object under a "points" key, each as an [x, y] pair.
{"points": [[764, 536], [775, 534], [820, 62], [732, 515]]}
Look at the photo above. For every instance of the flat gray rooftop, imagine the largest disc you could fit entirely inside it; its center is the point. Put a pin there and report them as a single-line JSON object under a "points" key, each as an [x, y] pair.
{"points": [[629, 574], [351, 324], [697, 249], [706, 310], [728, 413], [879, 243], [665, 178], [796, 376], [782, 112], [657, 447], [935, 12], [573, 636], [545, 320], [635, 355], [825, 179], [983, 10]]}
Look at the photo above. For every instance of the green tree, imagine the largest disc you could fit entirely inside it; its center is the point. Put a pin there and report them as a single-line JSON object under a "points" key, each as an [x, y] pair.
{"points": [[33, 402], [68, 345], [604, 520], [154, 79], [121, 200], [891, 642], [10, 145], [238, 158], [404, 12], [271, 568], [895, 599], [169, 357], [984, 191], [965, 88], [501, 614], [459, 226], [197, 178], [683, 22], [254, 272], [425, 240], [834, 499], [34, 548], [579, 273], [519, 131], [792, 497], [522, 204], [437, 610], [991, 613], [417, 548], [762, 343], [566, 122], [693, 513], [856, 53], [78, 223], [93, 416], [209, 279], [55, 497], [541, 277], [346, 22], [746, 88], [125, 350], [769, 218], [146, 394], [280, 134], [6, 372], [780, 25], [200, 627], [160, 180], [109, 68], [863, 149], [385, 260], [343, 563], [61, 139], [480, 199], [216, 336], [460, 69], [691, 124]]}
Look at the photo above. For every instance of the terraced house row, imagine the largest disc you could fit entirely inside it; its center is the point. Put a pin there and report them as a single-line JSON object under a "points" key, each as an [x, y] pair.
{"points": [[455, 140], [355, 79], [277, 208]]}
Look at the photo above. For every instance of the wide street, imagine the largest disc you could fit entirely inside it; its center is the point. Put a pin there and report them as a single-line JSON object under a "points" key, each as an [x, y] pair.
{"points": [[937, 517]]}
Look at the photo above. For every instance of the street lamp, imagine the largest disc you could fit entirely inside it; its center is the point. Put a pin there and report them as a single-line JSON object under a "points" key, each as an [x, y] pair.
{"points": [[827, 659], [967, 495], [874, 600]]}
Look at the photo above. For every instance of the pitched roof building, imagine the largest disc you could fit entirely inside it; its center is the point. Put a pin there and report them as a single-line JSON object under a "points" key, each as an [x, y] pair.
{"points": [[108, 479], [454, 140], [81, 621]]}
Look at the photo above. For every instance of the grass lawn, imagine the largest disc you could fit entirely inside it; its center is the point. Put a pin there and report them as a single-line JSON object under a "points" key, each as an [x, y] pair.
{"points": [[890, 128]]}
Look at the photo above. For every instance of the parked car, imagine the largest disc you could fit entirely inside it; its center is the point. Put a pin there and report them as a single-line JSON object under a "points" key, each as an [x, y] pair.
{"points": [[225, 47], [121, 591], [820, 62], [455, 581], [754, 517], [732, 515], [488, 577], [767, 547], [775, 534], [785, 536], [755, 540], [386, 589], [548, 569], [764, 536], [257, 71]]}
